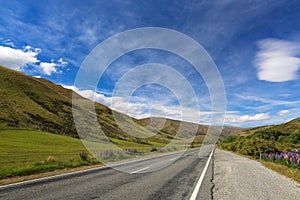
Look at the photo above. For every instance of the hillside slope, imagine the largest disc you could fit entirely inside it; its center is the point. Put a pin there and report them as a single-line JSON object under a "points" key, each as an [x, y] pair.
{"points": [[287, 127], [25, 103], [171, 126], [38, 104]]}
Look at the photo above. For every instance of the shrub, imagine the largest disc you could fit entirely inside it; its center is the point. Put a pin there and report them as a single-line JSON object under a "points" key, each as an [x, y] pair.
{"points": [[153, 148], [83, 155]]}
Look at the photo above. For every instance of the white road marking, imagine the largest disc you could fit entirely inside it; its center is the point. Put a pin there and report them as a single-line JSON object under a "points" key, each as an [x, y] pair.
{"points": [[196, 190], [81, 171], [172, 159], [134, 172]]}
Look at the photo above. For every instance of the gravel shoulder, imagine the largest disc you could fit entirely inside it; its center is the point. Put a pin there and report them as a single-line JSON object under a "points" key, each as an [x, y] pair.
{"points": [[237, 177]]}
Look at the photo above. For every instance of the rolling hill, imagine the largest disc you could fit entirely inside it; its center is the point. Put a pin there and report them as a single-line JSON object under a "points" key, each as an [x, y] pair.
{"points": [[37, 104], [287, 127], [171, 126]]}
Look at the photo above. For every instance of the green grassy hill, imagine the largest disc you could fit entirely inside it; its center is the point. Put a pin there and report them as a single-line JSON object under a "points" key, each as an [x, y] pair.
{"points": [[38, 104], [266, 139], [288, 127], [25, 103]]}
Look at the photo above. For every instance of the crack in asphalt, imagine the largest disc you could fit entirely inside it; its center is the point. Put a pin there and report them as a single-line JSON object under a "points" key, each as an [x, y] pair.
{"points": [[212, 176]]}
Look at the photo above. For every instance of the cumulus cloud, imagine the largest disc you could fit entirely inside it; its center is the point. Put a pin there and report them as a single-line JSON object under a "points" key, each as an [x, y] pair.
{"points": [[276, 60], [52, 67], [283, 112], [247, 118], [17, 58], [48, 68]]}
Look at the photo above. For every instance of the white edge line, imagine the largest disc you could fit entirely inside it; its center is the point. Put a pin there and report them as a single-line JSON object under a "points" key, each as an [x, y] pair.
{"points": [[134, 172], [196, 190], [82, 171]]}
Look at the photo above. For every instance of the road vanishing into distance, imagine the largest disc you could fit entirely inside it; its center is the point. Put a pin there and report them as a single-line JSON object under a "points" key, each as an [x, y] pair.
{"points": [[190, 175], [182, 175]]}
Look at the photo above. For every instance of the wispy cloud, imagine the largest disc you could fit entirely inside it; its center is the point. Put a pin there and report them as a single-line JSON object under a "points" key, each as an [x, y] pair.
{"points": [[283, 112], [247, 118], [276, 60], [266, 104]]}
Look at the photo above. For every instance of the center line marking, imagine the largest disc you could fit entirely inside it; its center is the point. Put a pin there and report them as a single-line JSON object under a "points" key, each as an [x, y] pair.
{"points": [[196, 190], [134, 172]]}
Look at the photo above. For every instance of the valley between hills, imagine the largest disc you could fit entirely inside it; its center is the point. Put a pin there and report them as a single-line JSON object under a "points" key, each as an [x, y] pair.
{"points": [[38, 133]]}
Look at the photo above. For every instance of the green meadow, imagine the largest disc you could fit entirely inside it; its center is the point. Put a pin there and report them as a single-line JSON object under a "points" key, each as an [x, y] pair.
{"points": [[24, 152]]}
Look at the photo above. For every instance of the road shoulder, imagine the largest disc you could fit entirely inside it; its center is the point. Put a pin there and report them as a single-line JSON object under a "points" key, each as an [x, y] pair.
{"points": [[237, 177]]}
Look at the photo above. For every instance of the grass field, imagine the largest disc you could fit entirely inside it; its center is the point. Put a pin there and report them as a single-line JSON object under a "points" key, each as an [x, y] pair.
{"points": [[24, 152]]}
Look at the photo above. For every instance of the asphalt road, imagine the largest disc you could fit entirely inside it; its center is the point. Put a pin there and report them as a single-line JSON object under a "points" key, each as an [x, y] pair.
{"points": [[177, 178], [240, 178]]}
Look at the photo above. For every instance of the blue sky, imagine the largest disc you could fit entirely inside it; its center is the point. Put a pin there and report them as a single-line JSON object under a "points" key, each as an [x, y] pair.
{"points": [[254, 44]]}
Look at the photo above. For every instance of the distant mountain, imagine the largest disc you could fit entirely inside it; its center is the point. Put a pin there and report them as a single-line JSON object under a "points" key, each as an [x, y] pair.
{"points": [[187, 128]]}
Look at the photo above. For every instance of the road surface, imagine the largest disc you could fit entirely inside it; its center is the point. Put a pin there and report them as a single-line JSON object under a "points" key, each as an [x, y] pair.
{"points": [[178, 180], [240, 178]]}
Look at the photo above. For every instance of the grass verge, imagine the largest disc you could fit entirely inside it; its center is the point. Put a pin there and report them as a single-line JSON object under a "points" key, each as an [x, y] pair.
{"points": [[292, 173]]}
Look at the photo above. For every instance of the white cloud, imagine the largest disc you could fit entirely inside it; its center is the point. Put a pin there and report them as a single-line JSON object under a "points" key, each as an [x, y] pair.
{"points": [[282, 112], [52, 67], [48, 68], [17, 58], [147, 107], [247, 118], [276, 60]]}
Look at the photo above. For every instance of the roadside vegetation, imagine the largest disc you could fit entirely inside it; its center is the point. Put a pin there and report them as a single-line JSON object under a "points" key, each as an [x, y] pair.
{"points": [[25, 152], [277, 149]]}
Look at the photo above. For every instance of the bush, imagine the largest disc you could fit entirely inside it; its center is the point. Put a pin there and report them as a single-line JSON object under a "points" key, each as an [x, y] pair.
{"points": [[83, 155], [153, 148]]}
